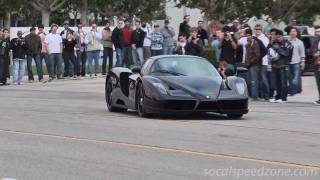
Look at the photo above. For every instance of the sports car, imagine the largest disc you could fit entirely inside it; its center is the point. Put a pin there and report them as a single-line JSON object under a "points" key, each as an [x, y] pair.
{"points": [[175, 84]]}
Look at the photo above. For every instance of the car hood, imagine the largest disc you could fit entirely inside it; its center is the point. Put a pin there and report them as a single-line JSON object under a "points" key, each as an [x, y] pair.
{"points": [[199, 87]]}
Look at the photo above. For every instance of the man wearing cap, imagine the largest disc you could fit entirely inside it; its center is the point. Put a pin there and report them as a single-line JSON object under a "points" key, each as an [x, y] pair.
{"points": [[168, 34], [54, 45], [19, 51], [34, 48], [280, 66]]}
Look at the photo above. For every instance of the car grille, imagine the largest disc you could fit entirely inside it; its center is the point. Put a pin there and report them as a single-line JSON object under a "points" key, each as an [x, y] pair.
{"points": [[208, 105], [233, 104], [180, 104]]}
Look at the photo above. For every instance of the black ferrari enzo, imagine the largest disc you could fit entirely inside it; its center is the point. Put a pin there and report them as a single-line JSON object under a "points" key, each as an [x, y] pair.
{"points": [[175, 84]]}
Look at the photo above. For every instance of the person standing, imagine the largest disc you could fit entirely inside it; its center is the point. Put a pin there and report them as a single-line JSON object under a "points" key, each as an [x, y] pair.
{"points": [[253, 62], [127, 38], [216, 44], [180, 49], [168, 35], [156, 41], [147, 41], [264, 90], [117, 39], [19, 52], [297, 63], [194, 45], [4, 56], [44, 51], [68, 48], [54, 46], [81, 47], [202, 33], [280, 66], [138, 36], [184, 28], [236, 26], [269, 26], [34, 48], [316, 60], [107, 48], [93, 50]]}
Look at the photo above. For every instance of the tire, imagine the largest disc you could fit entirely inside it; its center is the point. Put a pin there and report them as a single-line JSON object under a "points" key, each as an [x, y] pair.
{"points": [[108, 91], [140, 102], [235, 116]]}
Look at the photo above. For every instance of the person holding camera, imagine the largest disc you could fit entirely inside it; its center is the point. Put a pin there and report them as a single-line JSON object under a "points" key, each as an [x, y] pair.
{"points": [[68, 50], [194, 45], [19, 50]]}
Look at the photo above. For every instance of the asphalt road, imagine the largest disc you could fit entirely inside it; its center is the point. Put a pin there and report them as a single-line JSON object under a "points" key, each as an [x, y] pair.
{"points": [[61, 130]]}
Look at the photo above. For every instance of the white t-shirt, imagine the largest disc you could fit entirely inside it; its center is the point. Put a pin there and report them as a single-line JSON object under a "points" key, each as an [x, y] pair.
{"points": [[243, 41], [54, 43], [265, 40], [147, 39]]}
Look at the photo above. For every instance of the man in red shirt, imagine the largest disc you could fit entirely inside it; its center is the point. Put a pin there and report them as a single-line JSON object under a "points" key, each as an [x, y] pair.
{"points": [[127, 36], [316, 59]]}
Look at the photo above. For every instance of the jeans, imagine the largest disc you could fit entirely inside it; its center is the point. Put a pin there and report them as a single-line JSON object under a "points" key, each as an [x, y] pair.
{"points": [[18, 69], [264, 83], [254, 81], [127, 55], [55, 61], [317, 76], [93, 56], [156, 52], [146, 52], [45, 57], [137, 55], [3, 71], [279, 77], [295, 79], [119, 56], [70, 56], [82, 57], [38, 62], [168, 50], [107, 54]]}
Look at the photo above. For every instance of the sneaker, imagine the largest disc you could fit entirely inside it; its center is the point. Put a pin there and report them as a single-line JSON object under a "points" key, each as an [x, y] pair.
{"points": [[15, 83], [50, 80], [317, 102], [59, 77], [20, 83], [280, 101], [272, 100]]}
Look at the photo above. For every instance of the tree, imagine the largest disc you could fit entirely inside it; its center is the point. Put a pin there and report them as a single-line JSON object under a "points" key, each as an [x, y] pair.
{"points": [[6, 9], [46, 7]]}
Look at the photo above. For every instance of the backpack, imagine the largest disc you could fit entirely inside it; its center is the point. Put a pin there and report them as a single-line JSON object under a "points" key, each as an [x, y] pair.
{"points": [[263, 49]]}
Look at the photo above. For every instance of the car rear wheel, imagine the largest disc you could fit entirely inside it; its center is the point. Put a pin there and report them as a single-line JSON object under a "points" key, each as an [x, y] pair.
{"points": [[235, 116], [140, 101], [110, 85]]}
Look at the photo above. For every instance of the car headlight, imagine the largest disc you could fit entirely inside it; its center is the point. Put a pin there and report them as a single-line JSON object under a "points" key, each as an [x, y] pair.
{"points": [[241, 88], [162, 89]]}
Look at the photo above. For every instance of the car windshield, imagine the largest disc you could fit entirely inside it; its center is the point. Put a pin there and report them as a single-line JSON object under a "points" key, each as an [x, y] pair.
{"points": [[184, 66]]}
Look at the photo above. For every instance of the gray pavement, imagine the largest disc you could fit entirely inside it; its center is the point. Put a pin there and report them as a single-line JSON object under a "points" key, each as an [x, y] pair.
{"points": [[61, 130]]}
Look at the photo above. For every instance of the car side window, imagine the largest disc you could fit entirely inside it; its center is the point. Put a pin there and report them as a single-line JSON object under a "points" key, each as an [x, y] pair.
{"points": [[146, 66]]}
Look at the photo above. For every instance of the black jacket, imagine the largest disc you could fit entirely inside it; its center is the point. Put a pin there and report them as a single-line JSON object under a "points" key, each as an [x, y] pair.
{"points": [[202, 34], [138, 36], [4, 47], [184, 29], [194, 49], [19, 48], [117, 38], [33, 43], [285, 51]]}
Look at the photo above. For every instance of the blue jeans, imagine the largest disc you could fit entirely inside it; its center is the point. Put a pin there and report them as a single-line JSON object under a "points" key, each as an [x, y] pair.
{"points": [[254, 81], [294, 79], [137, 55], [280, 78], [38, 62], [82, 57], [119, 56], [168, 50], [45, 57], [93, 56], [18, 69], [55, 63], [264, 87], [107, 53]]}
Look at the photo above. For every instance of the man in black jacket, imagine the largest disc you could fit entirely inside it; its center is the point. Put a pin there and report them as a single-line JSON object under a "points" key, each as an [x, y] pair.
{"points": [[284, 50], [138, 36], [117, 39], [19, 50], [4, 56], [194, 45], [184, 28], [34, 47]]}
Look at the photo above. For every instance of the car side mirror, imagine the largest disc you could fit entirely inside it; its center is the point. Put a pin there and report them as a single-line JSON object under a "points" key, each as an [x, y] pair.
{"points": [[136, 70]]}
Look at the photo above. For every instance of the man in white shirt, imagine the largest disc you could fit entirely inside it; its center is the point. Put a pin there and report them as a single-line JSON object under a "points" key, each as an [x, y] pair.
{"points": [[147, 41], [264, 90], [297, 63], [53, 42]]}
